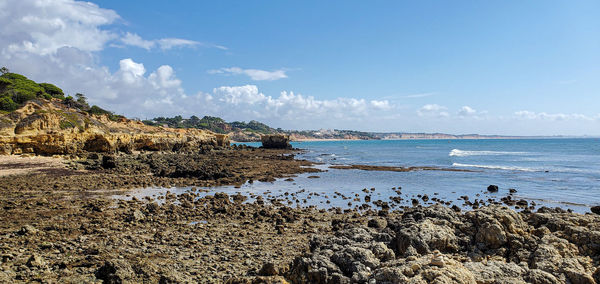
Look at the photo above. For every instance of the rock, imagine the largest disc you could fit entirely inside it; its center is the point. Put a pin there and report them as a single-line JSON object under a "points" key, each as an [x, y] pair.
{"points": [[276, 141], [423, 238], [268, 269], [152, 207], [437, 259], [108, 162], [115, 272], [537, 276], [36, 261], [136, 216], [522, 202], [28, 230], [595, 209], [492, 188], [378, 223], [497, 272], [512, 190], [49, 128]]}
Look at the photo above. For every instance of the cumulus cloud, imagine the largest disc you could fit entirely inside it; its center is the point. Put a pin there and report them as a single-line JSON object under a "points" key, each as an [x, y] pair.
{"points": [[466, 111], [42, 27], [254, 74], [248, 101], [433, 110]]}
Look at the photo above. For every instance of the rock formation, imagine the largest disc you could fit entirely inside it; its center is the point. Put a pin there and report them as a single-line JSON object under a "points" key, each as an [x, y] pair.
{"points": [[438, 245], [50, 128], [276, 141]]}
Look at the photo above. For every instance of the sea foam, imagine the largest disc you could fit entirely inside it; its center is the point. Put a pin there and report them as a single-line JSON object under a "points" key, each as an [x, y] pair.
{"points": [[466, 153], [496, 167]]}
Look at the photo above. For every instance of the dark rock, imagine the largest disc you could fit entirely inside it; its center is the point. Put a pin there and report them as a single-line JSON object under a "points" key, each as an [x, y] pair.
{"points": [[492, 188], [276, 141], [108, 162], [595, 209], [378, 223], [268, 269], [115, 272], [512, 190], [522, 202]]}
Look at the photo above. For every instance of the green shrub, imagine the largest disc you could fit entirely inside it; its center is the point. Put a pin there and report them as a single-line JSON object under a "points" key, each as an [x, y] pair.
{"points": [[21, 97], [98, 110], [7, 104]]}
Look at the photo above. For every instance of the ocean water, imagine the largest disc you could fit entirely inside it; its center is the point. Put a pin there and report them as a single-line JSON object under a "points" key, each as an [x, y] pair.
{"points": [[550, 172]]}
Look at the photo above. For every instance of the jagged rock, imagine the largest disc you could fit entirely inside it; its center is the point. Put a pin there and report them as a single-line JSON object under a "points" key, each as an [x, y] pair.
{"points": [[377, 223], [268, 269], [115, 272], [595, 209], [276, 141], [497, 272], [494, 245]]}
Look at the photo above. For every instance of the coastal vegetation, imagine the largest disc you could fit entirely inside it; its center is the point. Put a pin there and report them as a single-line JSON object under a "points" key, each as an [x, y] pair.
{"points": [[16, 90]]}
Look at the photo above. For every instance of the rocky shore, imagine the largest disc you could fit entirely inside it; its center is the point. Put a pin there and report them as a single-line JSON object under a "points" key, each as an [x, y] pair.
{"points": [[62, 225]]}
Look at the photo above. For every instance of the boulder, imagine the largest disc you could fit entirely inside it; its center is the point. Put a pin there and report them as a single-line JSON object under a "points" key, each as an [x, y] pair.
{"points": [[492, 188], [276, 141]]}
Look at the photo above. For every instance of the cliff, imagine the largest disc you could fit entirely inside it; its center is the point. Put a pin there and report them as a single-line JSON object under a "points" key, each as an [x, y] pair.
{"points": [[49, 127]]}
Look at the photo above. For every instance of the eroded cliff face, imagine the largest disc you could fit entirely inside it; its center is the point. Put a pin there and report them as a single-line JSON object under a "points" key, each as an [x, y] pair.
{"points": [[50, 128]]}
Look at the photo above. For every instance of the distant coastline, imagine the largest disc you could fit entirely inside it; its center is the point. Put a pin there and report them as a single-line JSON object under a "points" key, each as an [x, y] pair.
{"points": [[424, 136]]}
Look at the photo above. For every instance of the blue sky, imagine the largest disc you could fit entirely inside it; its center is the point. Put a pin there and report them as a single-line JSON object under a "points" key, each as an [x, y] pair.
{"points": [[490, 67]]}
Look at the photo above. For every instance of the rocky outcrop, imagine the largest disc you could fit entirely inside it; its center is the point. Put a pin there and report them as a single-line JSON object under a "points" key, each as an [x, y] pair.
{"points": [[493, 244], [276, 141], [50, 128]]}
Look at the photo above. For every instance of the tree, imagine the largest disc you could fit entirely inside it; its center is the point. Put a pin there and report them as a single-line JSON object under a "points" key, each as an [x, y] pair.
{"points": [[82, 102], [53, 91], [4, 70]]}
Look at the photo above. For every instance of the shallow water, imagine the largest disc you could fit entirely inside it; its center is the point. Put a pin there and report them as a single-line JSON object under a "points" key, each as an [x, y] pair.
{"points": [[551, 172]]}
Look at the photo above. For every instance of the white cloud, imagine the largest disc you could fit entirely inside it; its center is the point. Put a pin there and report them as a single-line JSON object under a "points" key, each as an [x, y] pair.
{"points": [[254, 74], [136, 40], [164, 44], [382, 105], [168, 43], [237, 95], [525, 114], [433, 110], [244, 102], [42, 27], [466, 111]]}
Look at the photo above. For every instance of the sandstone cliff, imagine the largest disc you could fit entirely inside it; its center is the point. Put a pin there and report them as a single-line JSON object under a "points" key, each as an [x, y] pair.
{"points": [[48, 127]]}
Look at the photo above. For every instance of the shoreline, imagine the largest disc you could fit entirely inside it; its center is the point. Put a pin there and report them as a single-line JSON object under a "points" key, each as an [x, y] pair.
{"points": [[62, 226], [443, 138]]}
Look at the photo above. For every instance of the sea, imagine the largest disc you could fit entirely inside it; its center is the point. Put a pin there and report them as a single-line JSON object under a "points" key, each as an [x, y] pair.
{"points": [[556, 172]]}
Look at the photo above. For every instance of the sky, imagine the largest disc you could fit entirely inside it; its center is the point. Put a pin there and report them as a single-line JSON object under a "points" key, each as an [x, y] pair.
{"points": [[461, 67]]}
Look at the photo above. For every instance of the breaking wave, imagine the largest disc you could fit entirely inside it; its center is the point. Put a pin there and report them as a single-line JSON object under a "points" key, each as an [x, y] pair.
{"points": [[465, 153], [496, 167]]}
